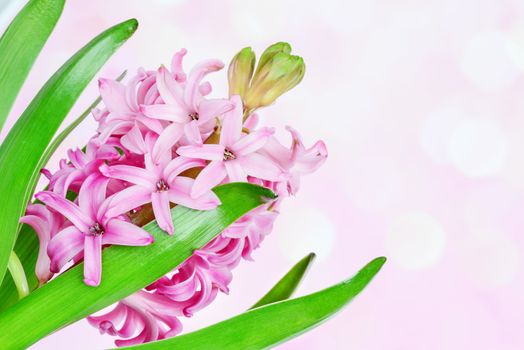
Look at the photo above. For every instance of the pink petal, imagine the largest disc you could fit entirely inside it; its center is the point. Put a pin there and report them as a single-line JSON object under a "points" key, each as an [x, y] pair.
{"points": [[232, 124], [191, 92], [252, 142], [125, 233], [126, 200], [92, 260], [277, 152], [209, 177], [193, 132], [170, 112], [68, 209], [64, 246], [179, 165], [261, 167], [176, 65], [209, 109], [134, 141], [132, 174], [312, 159], [205, 88], [251, 122], [162, 211], [207, 152], [235, 171], [167, 139], [92, 194], [41, 229], [180, 190], [168, 88], [113, 95]]}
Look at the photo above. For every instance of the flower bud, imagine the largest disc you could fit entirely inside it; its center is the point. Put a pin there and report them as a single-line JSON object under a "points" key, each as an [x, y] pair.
{"points": [[270, 52], [276, 74], [240, 71]]}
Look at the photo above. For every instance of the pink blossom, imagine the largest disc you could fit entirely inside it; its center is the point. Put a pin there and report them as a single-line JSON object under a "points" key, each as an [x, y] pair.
{"points": [[235, 156], [298, 160], [184, 104], [91, 228], [159, 185]]}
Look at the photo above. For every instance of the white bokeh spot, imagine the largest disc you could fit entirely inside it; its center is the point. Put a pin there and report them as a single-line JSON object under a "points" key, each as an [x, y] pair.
{"points": [[478, 148], [301, 230], [487, 62], [415, 240]]}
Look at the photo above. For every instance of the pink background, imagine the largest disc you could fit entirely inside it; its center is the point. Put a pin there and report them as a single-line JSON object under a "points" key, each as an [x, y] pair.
{"points": [[421, 106]]}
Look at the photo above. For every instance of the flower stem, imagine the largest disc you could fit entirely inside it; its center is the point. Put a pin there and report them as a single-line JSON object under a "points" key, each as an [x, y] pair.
{"points": [[17, 272]]}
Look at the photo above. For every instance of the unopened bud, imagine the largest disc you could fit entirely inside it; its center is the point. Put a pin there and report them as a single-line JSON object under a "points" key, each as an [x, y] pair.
{"points": [[277, 75], [240, 71], [270, 52]]}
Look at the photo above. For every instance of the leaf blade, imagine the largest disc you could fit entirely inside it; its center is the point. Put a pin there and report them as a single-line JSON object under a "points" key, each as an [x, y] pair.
{"points": [[287, 284], [32, 133], [57, 303], [20, 45], [270, 325]]}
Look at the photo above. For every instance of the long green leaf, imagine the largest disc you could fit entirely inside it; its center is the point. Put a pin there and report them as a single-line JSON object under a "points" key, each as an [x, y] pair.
{"points": [[21, 152], [126, 269], [20, 45], [272, 324], [288, 284]]}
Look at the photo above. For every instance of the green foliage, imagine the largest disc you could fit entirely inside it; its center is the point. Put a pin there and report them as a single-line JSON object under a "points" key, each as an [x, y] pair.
{"points": [[20, 45], [269, 325], [288, 284], [32, 133]]}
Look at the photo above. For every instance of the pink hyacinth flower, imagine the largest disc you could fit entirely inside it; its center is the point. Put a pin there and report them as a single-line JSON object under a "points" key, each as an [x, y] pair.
{"points": [[235, 156], [91, 228], [185, 106], [159, 185], [298, 160]]}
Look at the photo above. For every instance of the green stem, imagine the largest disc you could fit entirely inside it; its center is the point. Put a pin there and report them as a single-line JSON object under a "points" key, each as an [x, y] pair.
{"points": [[17, 272]]}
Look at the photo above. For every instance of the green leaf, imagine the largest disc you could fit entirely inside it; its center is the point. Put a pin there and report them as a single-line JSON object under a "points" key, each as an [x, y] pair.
{"points": [[125, 269], [21, 154], [27, 247], [288, 284], [272, 324], [20, 45]]}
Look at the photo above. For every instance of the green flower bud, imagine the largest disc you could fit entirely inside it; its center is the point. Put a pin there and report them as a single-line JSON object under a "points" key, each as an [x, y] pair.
{"points": [[240, 71], [278, 74], [270, 52]]}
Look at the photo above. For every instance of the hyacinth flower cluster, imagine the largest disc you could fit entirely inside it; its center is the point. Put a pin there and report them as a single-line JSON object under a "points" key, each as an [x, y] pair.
{"points": [[162, 141]]}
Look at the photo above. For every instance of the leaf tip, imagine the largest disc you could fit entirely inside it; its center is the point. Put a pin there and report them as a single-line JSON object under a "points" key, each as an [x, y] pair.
{"points": [[131, 25]]}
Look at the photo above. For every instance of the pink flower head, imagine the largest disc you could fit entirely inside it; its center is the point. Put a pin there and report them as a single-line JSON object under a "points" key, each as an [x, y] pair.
{"points": [[91, 228], [235, 156], [153, 130]]}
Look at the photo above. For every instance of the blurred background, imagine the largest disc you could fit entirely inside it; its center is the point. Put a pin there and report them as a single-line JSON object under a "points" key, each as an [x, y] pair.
{"points": [[420, 104]]}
